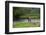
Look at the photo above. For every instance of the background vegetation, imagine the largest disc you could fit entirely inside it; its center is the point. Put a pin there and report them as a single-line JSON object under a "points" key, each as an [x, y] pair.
{"points": [[21, 12]]}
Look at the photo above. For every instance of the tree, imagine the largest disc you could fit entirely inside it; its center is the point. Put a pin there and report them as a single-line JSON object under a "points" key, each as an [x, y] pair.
{"points": [[18, 11], [23, 12]]}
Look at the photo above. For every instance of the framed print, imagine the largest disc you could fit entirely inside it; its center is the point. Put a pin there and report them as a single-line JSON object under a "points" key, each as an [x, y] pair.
{"points": [[24, 17]]}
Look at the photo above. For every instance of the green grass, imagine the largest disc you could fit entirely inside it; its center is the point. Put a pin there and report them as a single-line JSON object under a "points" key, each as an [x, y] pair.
{"points": [[25, 24]]}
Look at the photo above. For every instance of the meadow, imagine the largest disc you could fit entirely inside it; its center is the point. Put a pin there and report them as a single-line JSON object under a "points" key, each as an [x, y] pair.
{"points": [[25, 24]]}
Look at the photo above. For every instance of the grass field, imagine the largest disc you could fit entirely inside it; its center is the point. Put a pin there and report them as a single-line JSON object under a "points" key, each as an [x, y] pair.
{"points": [[25, 24]]}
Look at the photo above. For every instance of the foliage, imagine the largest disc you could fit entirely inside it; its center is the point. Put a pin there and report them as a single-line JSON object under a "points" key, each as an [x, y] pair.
{"points": [[21, 12]]}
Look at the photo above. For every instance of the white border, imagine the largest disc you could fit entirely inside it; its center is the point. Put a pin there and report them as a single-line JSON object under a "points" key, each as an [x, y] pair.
{"points": [[11, 29]]}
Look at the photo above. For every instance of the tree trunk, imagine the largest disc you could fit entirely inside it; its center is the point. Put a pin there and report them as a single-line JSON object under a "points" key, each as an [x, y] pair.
{"points": [[29, 19]]}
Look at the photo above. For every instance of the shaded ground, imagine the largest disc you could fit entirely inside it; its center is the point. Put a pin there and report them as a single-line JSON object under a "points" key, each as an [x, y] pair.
{"points": [[26, 20]]}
